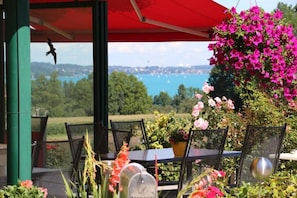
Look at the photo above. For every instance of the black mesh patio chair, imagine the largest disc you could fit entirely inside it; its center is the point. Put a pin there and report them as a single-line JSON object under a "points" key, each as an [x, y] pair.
{"points": [[120, 137], [260, 141], [76, 131], [136, 126], [38, 131], [213, 140], [59, 160], [33, 154], [38, 127]]}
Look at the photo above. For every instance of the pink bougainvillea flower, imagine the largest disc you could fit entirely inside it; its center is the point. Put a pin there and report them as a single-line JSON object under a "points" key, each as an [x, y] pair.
{"points": [[259, 46]]}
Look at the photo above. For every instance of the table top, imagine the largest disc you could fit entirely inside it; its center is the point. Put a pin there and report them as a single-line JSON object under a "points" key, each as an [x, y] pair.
{"points": [[166, 155]]}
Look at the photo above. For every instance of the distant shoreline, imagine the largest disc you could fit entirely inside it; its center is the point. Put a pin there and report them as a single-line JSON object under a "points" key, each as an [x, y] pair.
{"points": [[76, 70]]}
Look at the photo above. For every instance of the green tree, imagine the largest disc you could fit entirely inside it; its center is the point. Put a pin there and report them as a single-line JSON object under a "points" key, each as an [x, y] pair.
{"points": [[127, 95], [83, 96], [47, 96], [70, 103], [223, 83], [38, 97], [183, 100], [181, 95], [162, 99]]}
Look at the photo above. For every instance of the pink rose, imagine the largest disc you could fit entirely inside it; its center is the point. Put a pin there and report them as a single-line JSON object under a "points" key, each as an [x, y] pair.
{"points": [[230, 104], [197, 108], [211, 102], [198, 96], [218, 100], [207, 88], [201, 123]]}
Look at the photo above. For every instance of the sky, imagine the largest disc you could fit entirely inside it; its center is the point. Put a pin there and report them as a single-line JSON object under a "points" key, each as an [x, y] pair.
{"points": [[142, 53]]}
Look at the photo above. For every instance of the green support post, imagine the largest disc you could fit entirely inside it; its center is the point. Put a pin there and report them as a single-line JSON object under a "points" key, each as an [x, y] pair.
{"points": [[18, 76], [2, 87]]}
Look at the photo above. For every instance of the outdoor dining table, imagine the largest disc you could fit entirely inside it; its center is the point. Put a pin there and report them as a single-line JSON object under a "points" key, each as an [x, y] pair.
{"points": [[151, 156], [287, 156]]}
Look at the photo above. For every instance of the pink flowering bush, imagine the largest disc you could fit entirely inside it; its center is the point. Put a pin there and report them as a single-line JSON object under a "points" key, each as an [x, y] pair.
{"points": [[211, 112], [258, 46]]}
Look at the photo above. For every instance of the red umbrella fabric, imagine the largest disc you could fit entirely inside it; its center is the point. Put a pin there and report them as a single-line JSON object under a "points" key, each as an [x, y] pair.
{"points": [[128, 20]]}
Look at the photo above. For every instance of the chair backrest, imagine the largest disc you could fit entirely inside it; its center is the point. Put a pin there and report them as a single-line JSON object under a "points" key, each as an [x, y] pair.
{"points": [[38, 127], [58, 155], [34, 154], [79, 145], [77, 131], [213, 139], [136, 126], [260, 141], [38, 131], [120, 137]]}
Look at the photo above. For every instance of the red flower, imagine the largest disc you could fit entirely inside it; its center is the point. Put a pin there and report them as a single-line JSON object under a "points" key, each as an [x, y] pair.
{"points": [[199, 194], [27, 184], [51, 147], [119, 163]]}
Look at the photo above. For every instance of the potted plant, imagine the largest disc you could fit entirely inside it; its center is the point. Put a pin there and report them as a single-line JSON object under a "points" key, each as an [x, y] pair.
{"points": [[258, 47], [178, 140], [23, 189], [178, 135]]}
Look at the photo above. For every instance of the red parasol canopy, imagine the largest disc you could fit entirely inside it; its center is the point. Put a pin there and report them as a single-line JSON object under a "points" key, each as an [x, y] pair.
{"points": [[128, 20]]}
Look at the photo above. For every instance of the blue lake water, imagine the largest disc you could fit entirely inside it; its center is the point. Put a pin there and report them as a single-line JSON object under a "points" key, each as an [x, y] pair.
{"points": [[163, 82]]}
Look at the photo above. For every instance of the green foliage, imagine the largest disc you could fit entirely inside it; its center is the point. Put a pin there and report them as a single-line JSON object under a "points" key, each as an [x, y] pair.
{"points": [[281, 184], [55, 129], [127, 95], [161, 109], [23, 189], [163, 99], [83, 94], [223, 81], [87, 181], [158, 130], [58, 156], [259, 108]]}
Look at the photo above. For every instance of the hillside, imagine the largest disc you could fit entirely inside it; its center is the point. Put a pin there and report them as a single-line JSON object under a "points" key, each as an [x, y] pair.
{"points": [[47, 69]]}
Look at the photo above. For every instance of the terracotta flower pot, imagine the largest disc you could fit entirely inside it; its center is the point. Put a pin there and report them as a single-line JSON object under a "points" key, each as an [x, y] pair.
{"points": [[179, 148]]}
